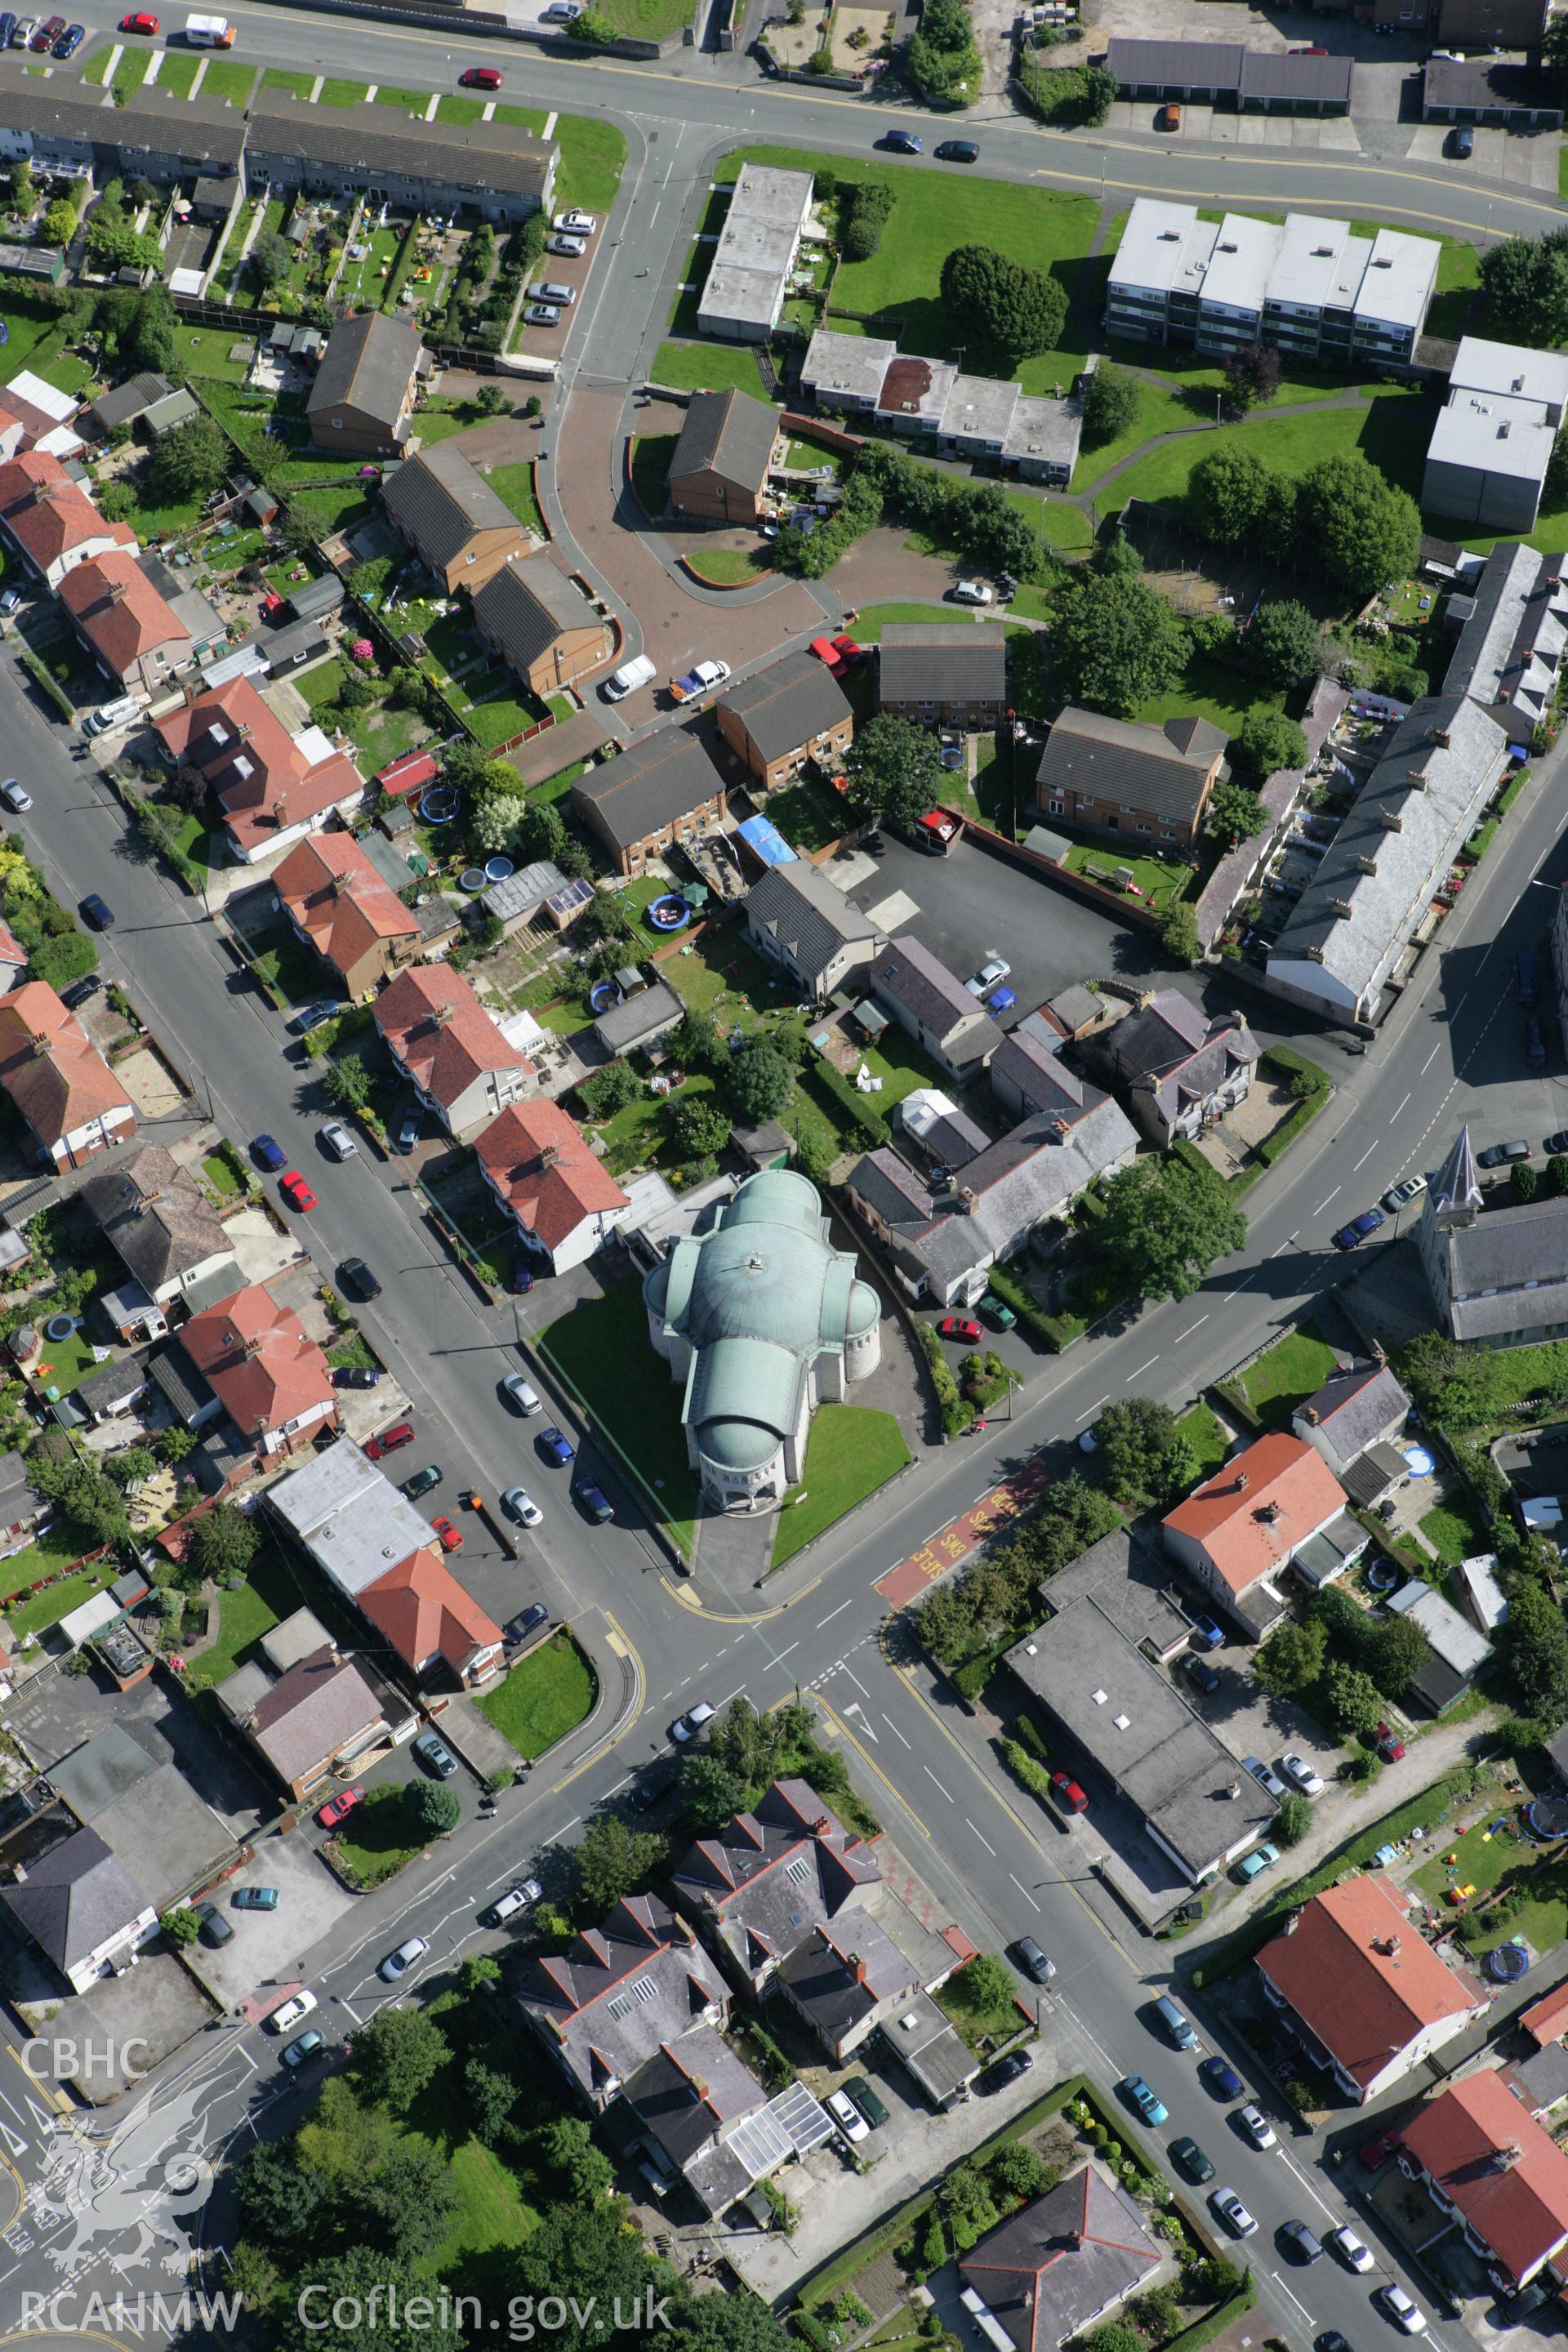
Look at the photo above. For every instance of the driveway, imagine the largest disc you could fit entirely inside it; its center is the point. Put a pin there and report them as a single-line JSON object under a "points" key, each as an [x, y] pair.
{"points": [[268, 1944]]}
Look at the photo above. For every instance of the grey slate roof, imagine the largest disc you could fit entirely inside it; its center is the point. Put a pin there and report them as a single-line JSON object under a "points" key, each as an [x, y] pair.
{"points": [[1291, 74], [906, 974], [688, 2090], [155, 1216], [1509, 647], [890, 1188], [729, 434], [312, 1712], [788, 704], [1436, 815], [842, 1971], [1175, 1053], [942, 1131], [770, 1877], [176, 1377], [1046, 2272], [198, 130], [128, 401], [1356, 1406], [1160, 771], [19, 1498], [75, 1898], [481, 155], [942, 662], [800, 907], [656, 783], [640, 1019], [1029, 1058], [527, 606], [1202, 64], [1509, 1271], [1142, 1734], [623, 1990], [442, 502], [369, 364], [1371, 1473]]}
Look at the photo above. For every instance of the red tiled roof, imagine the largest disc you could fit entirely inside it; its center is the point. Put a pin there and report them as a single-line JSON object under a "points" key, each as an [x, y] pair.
{"points": [[1252, 1515], [1360, 1978], [35, 423], [1490, 2158], [46, 513], [440, 1031], [12, 951], [424, 1611], [407, 774], [57, 1080], [256, 1355], [119, 611], [541, 1164], [337, 898], [263, 779], [1547, 2019]]}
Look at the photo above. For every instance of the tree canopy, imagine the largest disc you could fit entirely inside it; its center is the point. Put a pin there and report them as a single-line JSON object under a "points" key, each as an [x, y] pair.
{"points": [[1111, 400], [894, 768], [1281, 642], [1524, 281], [1142, 1454], [1360, 529], [1225, 494], [1115, 643], [1234, 814], [190, 461], [1018, 310], [1165, 1222], [1268, 741]]}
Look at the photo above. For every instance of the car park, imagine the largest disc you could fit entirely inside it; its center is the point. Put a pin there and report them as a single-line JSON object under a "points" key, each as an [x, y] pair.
{"points": [[962, 1329], [971, 592], [1349, 2248], [1253, 1865], [1389, 1745], [865, 2099], [335, 1138], [267, 1153], [901, 143], [1252, 2121], [1136, 2093], [1233, 2213], [448, 1537], [1269, 1781], [1067, 1793], [254, 1898], [435, 1755], [480, 77], [994, 970], [1301, 1775], [516, 1898], [290, 2013], [1503, 1155], [1352, 1236], [1221, 2077], [1033, 1961], [338, 1808], [1189, 2158], [568, 248], [1302, 2244], [519, 1505], [95, 912], [1005, 2070], [296, 1192], [1405, 2313], [957, 150], [215, 1929], [400, 1434], [557, 1447], [541, 314], [307, 2047], [847, 2115], [686, 1726], [423, 1482], [1399, 1196], [355, 1277], [1201, 1673], [575, 224], [592, 1500], [15, 799], [398, 1963]]}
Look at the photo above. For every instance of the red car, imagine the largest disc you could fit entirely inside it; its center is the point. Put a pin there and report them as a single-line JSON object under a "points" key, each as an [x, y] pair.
{"points": [[1067, 1793], [962, 1327], [839, 653], [296, 1192], [48, 34], [451, 1536], [338, 1808], [1390, 1745], [140, 23], [480, 77], [400, 1434]]}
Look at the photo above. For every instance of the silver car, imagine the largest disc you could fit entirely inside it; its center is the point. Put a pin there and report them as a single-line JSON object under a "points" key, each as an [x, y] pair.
{"points": [[338, 1141], [1233, 2213], [541, 314], [547, 289], [570, 248], [1302, 1775], [399, 1962], [519, 1505]]}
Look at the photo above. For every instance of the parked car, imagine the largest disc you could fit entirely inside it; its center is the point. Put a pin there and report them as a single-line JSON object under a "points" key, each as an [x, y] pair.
{"points": [[139, 21], [15, 799], [541, 314], [1005, 2070], [307, 2046], [686, 1726], [1390, 1745], [992, 973], [529, 1619], [399, 1962], [1221, 2077], [971, 592], [568, 248], [847, 2115], [1302, 1775], [449, 1537], [1406, 2313], [81, 992], [435, 1755], [865, 2099], [630, 676], [407, 1132], [338, 1808], [267, 1153], [963, 1328], [1169, 117], [1301, 2244], [592, 1500], [515, 1899], [1252, 2121], [1233, 2213], [1253, 1865], [1352, 1236], [296, 1192], [95, 911], [993, 1311], [389, 1440], [1503, 1155], [1206, 1635], [335, 1138], [1201, 1673], [1136, 2093], [698, 678], [1067, 1793], [423, 1482], [480, 77], [1355, 2256], [1269, 1781], [355, 1277], [1464, 140], [557, 1447], [901, 143], [1399, 1196], [553, 290], [215, 1929], [21, 33], [1189, 2158], [290, 2013], [70, 41], [1534, 1041], [1033, 1961], [47, 34], [254, 1898], [312, 1016], [519, 1505], [957, 150], [575, 224], [519, 1392]]}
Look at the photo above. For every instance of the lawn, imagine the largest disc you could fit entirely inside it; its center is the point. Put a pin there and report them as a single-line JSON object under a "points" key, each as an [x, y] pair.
{"points": [[549, 1693], [514, 485], [67, 1363], [27, 328], [651, 455], [592, 152], [338, 93], [807, 818], [707, 367], [178, 71], [849, 1453], [96, 70], [1207, 1439], [412, 101], [648, 20], [56, 1601], [379, 1837], [1102, 859], [1213, 690], [226, 78], [130, 72], [1285, 1375], [47, 1555], [640, 1418], [204, 351], [1484, 1857], [1452, 1534], [732, 567], [379, 734], [270, 1593], [870, 621], [1392, 432], [299, 85], [981, 2023], [528, 118], [288, 966], [452, 109], [492, 2213]]}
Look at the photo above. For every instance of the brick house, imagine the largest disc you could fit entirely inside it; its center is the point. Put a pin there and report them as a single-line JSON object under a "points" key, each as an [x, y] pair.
{"points": [[452, 519], [133, 635], [535, 619], [793, 711], [449, 1049], [726, 450], [1118, 775], [50, 522], [361, 401], [71, 1101], [538, 1163], [340, 905], [665, 790], [947, 674]]}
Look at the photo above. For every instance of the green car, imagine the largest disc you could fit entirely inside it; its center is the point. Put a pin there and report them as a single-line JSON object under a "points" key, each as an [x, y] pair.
{"points": [[1253, 1865], [857, 2089], [1000, 1318]]}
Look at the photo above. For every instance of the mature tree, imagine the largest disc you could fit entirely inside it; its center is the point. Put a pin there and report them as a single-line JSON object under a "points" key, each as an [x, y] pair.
{"points": [[181, 1926], [1281, 642], [190, 461], [591, 2259], [1396, 1655], [1227, 493], [985, 1982], [864, 207], [492, 399], [1140, 1452], [272, 257], [395, 2053], [894, 768], [1556, 1174], [1351, 1698], [1291, 1659], [1535, 1643], [78, 1490], [710, 1791], [1453, 1384], [133, 1468], [1018, 2171], [347, 1084], [1020, 312], [612, 1861], [223, 1541], [1554, 49], [1116, 643], [695, 1044], [358, 2287], [1524, 281], [187, 787], [1234, 814], [489, 2098], [569, 2151], [409, 2202], [1268, 741], [1110, 401], [1356, 525], [697, 1127], [59, 222], [609, 1090], [113, 244], [279, 2199], [1293, 1820], [433, 1807], [760, 1082], [1178, 931], [738, 2322], [1166, 1222], [1251, 375], [1113, 2335], [994, 532], [1119, 559], [117, 501]]}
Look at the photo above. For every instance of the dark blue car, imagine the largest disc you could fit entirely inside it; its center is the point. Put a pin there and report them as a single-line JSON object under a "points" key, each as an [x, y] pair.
{"points": [[269, 1153], [558, 1448], [1352, 1236], [1206, 1635], [1222, 2080], [95, 912], [903, 143], [592, 1500]]}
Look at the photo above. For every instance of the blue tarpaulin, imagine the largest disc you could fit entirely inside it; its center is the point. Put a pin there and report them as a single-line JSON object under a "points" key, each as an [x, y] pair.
{"points": [[759, 834]]}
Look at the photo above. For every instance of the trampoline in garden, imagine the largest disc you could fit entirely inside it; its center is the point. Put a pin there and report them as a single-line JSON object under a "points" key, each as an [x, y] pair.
{"points": [[1419, 1463], [670, 913], [602, 995], [472, 879], [1382, 1575], [439, 805], [59, 1327], [499, 869], [1548, 1817], [1506, 1963]]}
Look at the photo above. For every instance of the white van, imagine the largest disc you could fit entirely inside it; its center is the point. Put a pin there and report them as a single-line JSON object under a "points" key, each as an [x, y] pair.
{"points": [[112, 714], [630, 676]]}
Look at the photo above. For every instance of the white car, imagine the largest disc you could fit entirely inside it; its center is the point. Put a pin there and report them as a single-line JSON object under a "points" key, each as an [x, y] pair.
{"points": [[575, 224], [15, 797], [990, 974], [398, 1963], [847, 2115], [1257, 2126], [687, 1726], [338, 1141], [1233, 2213], [525, 1398], [1301, 1775], [1350, 2249], [1405, 2315], [519, 1505], [515, 1899], [291, 2013], [972, 592]]}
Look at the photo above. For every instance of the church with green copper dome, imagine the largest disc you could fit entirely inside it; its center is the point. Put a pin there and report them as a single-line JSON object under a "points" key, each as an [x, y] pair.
{"points": [[761, 1319]]}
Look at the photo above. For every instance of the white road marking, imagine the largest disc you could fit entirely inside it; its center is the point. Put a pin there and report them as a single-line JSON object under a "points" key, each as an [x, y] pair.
{"points": [[1365, 1156], [1332, 1196], [778, 1660], [1034, 1906], [1190, 1330], [1094, 1409], [856, 1680], [893, 1728], [1294, 2299], [833, 1613], [1083, 2029], [724, 1702], [1139, 1372], [985, 1841], [1311, 2190], [1285, 1245], [932, 1776], [351, 2010], [1395, 1114], [1430, 1059]]}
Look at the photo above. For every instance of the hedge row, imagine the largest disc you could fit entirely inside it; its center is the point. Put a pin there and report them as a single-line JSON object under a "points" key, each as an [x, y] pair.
{"points": [[1053, 1331], [957, 1413], [1022, 1766], [1283, 1062]]}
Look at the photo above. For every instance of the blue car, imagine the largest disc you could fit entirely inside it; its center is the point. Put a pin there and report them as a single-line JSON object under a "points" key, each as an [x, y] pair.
{"points": [[903, 142], [1206, 1635], [1222, 2080], [1137, 2093], [1351, 1236], [269, 1153], [558, 1448], [592, 1500]]}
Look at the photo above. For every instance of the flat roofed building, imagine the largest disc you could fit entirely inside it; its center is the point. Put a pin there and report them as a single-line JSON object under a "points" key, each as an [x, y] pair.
{"points": [[843, 371], [750, 273], [1042, 440], [1486, 461]]}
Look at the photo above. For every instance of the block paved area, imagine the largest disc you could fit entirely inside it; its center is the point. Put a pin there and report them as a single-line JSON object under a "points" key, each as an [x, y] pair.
{"points": [[949, 1545]]}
